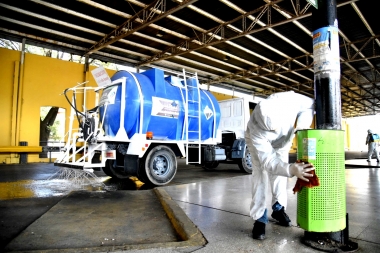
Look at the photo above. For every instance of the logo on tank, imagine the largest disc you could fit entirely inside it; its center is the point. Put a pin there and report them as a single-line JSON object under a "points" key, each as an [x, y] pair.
{"points": [[162, 107], [208, 112], [108, 96]]}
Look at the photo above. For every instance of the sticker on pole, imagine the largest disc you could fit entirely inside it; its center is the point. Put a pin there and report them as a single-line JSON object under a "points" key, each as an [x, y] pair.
{"points": [[326, 49], [165, 107], [309, 148], [101, 76]]}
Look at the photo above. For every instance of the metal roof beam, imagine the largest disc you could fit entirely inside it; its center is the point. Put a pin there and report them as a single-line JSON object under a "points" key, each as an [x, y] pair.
{"points": [[145, 16], [208, 36]]}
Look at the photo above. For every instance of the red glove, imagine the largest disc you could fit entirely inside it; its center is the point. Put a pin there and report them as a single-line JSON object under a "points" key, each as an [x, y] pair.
{"points": [[313, 181]]}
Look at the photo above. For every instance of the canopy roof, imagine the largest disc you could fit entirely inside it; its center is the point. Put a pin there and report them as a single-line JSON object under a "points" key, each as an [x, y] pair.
{"points": [[257, 47]]}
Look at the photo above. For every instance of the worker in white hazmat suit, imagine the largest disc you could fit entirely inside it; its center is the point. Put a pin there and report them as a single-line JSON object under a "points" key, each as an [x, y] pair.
{"points": [[372, 147], [269, 135]]}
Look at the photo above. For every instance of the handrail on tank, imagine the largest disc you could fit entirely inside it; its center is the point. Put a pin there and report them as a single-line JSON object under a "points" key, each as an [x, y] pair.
{"points": [[122, 105], [186, 123], [138, 85], [187, 115], [214, 115], [199, 118], [121, 131], [71, 135]]}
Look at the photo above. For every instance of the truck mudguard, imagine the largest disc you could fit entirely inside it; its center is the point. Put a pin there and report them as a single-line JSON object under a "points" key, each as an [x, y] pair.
{"points": [[238, 148]]}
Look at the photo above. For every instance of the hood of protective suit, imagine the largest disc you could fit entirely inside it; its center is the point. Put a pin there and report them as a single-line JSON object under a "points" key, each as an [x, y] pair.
{"points": [[270, 117], [304, 119], [284, 109]]}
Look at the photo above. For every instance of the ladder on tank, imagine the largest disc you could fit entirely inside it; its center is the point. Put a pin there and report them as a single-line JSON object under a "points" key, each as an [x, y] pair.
{"points": [[194, 102]]}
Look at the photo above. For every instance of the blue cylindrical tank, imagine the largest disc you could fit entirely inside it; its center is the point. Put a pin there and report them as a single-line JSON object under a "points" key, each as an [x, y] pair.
{"points": [[162, 100]]}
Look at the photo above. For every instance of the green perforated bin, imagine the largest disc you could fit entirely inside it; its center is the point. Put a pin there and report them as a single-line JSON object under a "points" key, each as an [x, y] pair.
{"points": [[323, 208]]}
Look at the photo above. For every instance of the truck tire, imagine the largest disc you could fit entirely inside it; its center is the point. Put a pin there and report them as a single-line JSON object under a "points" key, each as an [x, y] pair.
{"points": [[210, 165], [113, 172], [159, 166], [245, 163], [107, 170]]}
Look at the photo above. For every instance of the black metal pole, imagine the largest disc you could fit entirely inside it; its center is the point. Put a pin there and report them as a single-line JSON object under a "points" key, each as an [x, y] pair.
{"points": [[326, 66], [327, 102]]}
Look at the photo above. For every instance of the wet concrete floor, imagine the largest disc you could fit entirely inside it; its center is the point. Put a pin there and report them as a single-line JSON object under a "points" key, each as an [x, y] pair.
{"points": [[98, 219], [216, 202], [39, 192]]}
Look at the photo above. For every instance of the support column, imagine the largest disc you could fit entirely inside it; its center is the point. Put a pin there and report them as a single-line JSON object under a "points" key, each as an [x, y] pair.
{"points": [[20, 86], [326, 66], [328, 110], [86, 67]]}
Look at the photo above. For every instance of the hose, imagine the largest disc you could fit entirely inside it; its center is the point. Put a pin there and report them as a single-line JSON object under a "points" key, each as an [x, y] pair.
{"points": [[74, 107]]}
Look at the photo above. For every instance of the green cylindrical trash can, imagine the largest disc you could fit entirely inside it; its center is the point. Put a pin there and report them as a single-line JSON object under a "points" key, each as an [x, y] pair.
{"points": [[323, 208]]}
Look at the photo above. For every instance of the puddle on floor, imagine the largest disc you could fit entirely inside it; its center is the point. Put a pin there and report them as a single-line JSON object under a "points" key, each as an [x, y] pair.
{"points": [[63, 182]]}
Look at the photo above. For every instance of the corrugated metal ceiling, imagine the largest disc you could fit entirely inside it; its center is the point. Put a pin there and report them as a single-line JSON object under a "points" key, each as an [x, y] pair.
{"points": [[257, 47]]}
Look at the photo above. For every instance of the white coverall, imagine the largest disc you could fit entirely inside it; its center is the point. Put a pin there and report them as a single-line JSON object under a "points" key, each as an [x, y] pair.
{"points": [[269, 135]]}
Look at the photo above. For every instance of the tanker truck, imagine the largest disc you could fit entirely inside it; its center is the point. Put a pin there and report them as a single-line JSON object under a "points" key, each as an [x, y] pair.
{"points": [[141, 123]]}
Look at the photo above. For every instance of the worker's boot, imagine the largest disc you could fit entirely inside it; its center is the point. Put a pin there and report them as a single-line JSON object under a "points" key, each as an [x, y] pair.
{"points": [[258, 231], [281, 217]]}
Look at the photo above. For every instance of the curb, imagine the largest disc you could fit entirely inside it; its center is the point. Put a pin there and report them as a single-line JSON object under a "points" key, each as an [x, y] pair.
{"points": [[189, 236], [354, 163], [185, 228]]}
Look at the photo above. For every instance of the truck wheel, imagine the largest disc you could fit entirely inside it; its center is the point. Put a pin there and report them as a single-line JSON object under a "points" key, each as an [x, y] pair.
{"points": [[159, 167], [245, 164], [113, 172], [210, 165], [107, 170]]}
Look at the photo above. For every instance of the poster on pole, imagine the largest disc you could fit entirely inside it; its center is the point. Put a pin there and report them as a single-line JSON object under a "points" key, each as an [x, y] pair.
{"points": [[326, 49], [101, 76]]}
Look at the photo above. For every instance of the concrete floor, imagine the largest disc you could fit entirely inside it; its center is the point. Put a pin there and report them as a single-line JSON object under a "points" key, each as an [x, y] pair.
{"points": [[41, 215]]}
